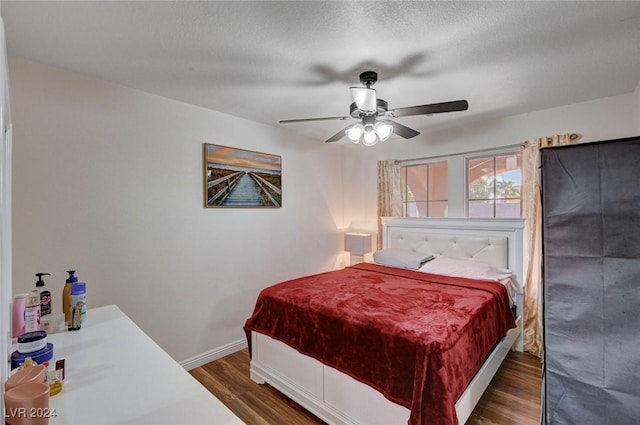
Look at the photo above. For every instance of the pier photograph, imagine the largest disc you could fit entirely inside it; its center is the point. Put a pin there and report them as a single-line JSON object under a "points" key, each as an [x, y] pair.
{"points": [[241, 178]]}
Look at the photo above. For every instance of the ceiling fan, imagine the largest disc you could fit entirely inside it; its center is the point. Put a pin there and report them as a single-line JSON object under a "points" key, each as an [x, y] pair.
{"points": [[373, 115]]}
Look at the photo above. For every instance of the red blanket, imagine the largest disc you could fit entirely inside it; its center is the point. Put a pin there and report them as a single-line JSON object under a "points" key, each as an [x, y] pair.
{"points": [[417, 338]]}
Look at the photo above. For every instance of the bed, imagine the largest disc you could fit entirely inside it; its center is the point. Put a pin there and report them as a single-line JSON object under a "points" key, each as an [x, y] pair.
{"points": [[329, 381]]}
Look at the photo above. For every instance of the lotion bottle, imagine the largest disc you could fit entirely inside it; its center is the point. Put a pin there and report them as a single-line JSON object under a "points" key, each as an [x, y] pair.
{"points": [[45, 295], [66, 295], [79, 300], [32, 312], [19, 310]]}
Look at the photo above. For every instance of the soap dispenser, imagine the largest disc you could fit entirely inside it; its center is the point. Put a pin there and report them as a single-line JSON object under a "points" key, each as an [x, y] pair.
{"points": [[66, 295], [45, 295]]}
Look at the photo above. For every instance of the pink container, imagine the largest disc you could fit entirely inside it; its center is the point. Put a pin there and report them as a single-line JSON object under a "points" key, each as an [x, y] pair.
{"points": [[37, 373], [19, 304], [27, 404]]}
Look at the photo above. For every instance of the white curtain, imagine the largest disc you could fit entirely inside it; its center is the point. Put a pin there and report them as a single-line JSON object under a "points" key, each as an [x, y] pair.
{"points": [[389, 193], [532, 212]]}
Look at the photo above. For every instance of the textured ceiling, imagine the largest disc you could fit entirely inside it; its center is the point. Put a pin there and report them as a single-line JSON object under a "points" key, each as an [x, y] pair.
{"points": [[267, 61]]}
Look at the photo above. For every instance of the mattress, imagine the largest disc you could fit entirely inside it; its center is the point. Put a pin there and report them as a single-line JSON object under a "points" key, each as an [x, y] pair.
{"points": [[417, 338]]}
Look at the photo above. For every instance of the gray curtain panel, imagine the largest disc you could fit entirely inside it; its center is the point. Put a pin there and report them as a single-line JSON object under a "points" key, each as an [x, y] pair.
{"points": [[591, 292]]}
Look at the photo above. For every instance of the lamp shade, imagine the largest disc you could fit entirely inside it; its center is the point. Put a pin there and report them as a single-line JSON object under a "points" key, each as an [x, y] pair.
{"points": [[355, 132], [357, 243], [369, 137], [383, 130]]}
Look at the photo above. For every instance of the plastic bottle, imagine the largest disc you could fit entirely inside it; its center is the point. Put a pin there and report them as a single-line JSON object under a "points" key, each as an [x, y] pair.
{"points": [[19, 305], [66, 295], [84, 304], [79, 300], [32, 312], [45, 295]]}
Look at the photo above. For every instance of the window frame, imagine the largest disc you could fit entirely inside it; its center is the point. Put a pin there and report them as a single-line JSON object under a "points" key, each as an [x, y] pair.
{"points": [[489, 154], [404, 189], [457, 176]]}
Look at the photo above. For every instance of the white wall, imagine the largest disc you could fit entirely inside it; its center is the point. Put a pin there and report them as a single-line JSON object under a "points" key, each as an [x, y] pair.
{"points": [[601, 119], [637, 109], [5, 214], [108, 180]]}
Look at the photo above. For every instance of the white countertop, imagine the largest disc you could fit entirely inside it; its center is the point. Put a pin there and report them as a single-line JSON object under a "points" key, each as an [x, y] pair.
{"points": [[116, 374]]}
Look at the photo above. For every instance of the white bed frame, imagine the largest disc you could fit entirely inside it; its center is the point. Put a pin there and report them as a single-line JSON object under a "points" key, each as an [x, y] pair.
{"points": [[337, 398]]}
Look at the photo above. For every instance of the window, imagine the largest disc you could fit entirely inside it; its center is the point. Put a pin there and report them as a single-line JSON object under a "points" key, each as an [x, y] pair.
{"points": [[425, 190], [471, 184], [493, 184]]}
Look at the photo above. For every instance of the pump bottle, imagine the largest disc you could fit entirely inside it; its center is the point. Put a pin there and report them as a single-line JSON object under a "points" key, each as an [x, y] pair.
{"points": [[66, 295], [45, 295], [79, 301]]}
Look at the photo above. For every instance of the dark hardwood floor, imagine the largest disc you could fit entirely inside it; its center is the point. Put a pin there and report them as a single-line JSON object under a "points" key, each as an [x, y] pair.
{"points": [[512, 398]]}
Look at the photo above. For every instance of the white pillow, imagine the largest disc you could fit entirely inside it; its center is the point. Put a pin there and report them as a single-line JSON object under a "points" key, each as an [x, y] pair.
{"points": [[401, 258], [465, 268]]}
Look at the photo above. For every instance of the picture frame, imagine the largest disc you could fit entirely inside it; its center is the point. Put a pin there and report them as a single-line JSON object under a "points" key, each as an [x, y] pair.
{"points": [[240, 178]]}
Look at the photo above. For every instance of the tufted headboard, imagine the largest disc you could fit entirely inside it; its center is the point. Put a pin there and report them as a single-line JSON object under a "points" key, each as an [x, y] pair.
{"points": [[493, 241], [486, 249]]}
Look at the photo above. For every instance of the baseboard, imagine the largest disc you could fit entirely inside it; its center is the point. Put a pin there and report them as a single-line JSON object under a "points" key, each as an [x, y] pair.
{"points": [[215, 354]]}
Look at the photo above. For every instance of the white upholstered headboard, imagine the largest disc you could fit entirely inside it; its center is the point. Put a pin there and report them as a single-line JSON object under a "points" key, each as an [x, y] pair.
{"points": [[486, 249], [495, 241]]}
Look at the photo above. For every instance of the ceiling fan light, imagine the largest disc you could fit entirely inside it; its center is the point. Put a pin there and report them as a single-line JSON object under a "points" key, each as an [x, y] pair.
{"points": [[369, 137], [354, 133], [370, 141], [383, 130], [365, 98]]}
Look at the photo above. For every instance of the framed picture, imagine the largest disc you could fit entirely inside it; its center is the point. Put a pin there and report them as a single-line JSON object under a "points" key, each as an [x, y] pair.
{"points": [[240, 178]]}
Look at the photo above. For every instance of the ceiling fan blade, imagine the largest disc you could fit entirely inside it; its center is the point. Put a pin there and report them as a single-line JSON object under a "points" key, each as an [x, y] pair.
{"points": [[403, 130], [346, 117], [433, 108], [365, 98], [339, 135]]}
